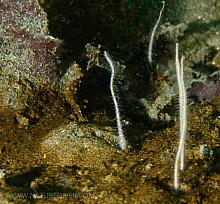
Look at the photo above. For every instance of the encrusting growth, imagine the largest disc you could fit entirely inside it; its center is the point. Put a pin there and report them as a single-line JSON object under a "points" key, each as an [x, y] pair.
{"points": [[122, 142], [179, 161], [150, 47]]}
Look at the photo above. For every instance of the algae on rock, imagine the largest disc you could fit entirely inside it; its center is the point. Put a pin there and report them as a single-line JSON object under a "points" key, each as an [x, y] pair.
{"points": [[29, 56]]}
